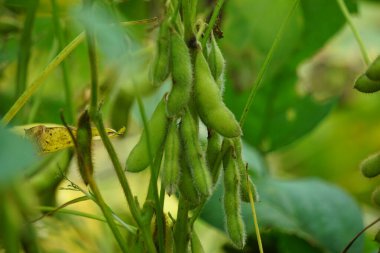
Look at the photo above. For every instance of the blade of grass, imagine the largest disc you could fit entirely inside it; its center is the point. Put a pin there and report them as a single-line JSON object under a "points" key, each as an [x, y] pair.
{"points": [[120, 223], [32, 88]]}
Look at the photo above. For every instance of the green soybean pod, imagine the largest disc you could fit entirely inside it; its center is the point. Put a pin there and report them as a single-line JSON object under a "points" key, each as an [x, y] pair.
{"points": [[171, 167], [214, 147], [194, 154], [246, 186], [370, 167], [234, 222], [139, 157], [186, 185], [216, 63], [84, 147], [161, 61], [212, 111], [182, 75], [373, 72], [366, 85]]}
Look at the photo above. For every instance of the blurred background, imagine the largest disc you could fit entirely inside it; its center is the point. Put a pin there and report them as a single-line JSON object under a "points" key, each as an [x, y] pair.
{"points": [[305, 136]]}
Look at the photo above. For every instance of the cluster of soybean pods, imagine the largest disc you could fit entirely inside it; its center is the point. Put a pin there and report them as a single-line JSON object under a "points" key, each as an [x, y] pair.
{"points": [[189, 169]]}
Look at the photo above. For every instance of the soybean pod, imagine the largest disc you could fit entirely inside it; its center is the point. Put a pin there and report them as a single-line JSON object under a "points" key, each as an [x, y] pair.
{"points": [[370, 167], [373, 71], [214, 146], [171, 168], [194, 155], [160, 64], [139, 158], [182, 75], [366, 85], [84, 147], [212, 111], [186, 185], [234, 222], [216, 63]]}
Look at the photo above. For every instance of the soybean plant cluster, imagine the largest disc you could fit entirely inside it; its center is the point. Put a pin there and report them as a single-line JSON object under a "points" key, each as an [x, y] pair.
{"points": [[190, 170]]}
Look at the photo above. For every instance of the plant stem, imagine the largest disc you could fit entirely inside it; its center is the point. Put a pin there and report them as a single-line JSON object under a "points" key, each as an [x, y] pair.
{"points": [[211, 24], [66, 81], [154, 169], [31, 89], [107, 214], [358, 235], [25, 45], [188, 16], [124, 183], [181, 231], [359, 40], [265, 65]]}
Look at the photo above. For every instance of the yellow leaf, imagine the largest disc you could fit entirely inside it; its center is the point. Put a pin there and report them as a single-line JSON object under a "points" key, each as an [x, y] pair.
{"points": [[51, 139]]}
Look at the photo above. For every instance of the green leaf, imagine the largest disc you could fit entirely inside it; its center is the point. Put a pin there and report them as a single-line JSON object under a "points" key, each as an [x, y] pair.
{"points": [[317, 212], [16, 155], [280, 114]]}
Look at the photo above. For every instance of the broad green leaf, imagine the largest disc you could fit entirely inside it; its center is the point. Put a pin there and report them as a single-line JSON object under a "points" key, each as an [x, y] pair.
{"points": [[16, 155], [317, 212], [279, 114]]}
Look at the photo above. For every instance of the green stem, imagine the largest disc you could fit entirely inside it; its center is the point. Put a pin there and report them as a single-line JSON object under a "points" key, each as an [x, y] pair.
{"points": [[124, 183], [107, 214], [154, 169], [266, 63], [66, 81], [181, 230], [188, 16], [211, 24], [25, 46], [359, 40]]}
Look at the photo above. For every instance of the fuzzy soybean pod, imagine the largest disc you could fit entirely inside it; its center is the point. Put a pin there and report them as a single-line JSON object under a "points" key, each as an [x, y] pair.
{"points": [[84, 147], [139, 158], [234, 222], [370, 167], [212, 111], [373, 71], [186, 185], [217, 63], [194, 154], [171, 168], [214, 146], [161, 61], [182, 75], [366, 85], [242, 166]]}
